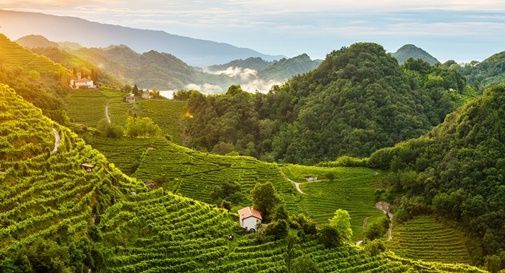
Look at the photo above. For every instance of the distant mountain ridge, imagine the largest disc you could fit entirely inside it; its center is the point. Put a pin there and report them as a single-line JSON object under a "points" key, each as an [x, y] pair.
{"points": [[280, 70], [91, 34], [411, 51]]}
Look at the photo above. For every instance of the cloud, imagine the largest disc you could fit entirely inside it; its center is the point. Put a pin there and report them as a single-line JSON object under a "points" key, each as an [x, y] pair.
{"points": [[205, 88], [244, 74]]}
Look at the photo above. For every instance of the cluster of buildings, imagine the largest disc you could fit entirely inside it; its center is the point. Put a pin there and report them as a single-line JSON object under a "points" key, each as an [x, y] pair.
{"points": [[81, 82]]}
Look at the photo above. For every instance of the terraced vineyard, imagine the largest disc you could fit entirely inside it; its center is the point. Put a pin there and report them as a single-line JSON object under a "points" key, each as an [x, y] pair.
{"points": [[196, 174], [426, 238], [44, 191], [88, 106], [127, 158], [46, 195], [167, 114], [351, 189], [167, 233], [14, 55]]}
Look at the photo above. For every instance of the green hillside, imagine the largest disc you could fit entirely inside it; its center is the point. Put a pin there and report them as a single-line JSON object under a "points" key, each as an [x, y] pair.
{"points": [[358, 100], [150, 69], [489, 72], [287, 68], [36, 78], [279, 70], [89, 107], [411, 51], [45, 196], [352, 189], [427, 239], [36, 41], [457, 170], [58, 217]]}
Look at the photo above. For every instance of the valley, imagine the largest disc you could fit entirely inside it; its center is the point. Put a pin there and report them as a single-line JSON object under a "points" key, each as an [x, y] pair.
{"points": [[366, 160]]}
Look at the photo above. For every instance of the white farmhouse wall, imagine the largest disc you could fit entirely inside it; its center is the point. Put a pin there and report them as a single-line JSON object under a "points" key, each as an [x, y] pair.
{"points": [[250, 223]]}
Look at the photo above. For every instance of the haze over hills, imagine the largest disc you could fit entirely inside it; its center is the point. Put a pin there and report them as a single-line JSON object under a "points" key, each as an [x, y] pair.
{"points": [[164, 71], [280, 70], [411, 51], [91, 34]]}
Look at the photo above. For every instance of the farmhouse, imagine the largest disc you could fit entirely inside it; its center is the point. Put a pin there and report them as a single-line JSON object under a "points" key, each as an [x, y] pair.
{"points": [[311, 179], [146, 94], [130, 98], [81, 82], [249, 218]]}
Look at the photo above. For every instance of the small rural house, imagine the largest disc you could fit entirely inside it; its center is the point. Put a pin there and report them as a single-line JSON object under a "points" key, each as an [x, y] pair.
{"points": [[146, 94], [81, 82], [130, 98], [249, 218], [311, 179]]}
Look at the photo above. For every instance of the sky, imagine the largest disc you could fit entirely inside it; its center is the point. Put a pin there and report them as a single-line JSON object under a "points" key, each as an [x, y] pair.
{"points": [[460, 30]]}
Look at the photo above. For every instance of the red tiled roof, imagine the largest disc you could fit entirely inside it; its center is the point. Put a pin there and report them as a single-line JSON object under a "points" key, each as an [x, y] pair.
{"points": [[249, 212]]}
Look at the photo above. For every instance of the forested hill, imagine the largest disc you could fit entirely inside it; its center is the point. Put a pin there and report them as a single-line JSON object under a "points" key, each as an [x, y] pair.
{"points": [[280, 70], [457, 170], [411, 51], [358, 100], [488, 72]]}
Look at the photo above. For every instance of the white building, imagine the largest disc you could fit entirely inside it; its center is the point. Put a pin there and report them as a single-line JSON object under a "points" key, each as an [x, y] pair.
{"points": [[82, 82], [146, 94], [311, 179], [249, 218]]}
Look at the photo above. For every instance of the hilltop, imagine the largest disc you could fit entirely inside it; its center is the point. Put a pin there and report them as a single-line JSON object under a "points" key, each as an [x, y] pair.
{"points": [[411, 51], [91, 34], [358, 100], [36, 41]]}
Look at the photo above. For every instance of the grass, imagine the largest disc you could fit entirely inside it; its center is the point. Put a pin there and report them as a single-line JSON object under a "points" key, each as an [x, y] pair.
{"points": [[196, 174], [351, 189], [167, 114], [429, 239], [88, 107]]}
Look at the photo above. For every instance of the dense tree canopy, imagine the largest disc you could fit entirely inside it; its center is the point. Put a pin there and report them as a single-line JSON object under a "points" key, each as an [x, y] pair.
{"points": [[458, 170], [357, 101]]}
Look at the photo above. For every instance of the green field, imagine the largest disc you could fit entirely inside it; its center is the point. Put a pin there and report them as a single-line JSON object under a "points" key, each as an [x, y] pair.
{"points": [[351, 189], [428, 239], [168, 114], [88, 107], [196, 174]]}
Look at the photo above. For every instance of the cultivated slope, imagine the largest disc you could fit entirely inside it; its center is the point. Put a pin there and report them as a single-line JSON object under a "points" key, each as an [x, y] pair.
{"points": [[460, 169], [57, 217]]}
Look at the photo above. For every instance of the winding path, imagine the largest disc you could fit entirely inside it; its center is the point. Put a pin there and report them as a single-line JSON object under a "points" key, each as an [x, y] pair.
{"points": [[107, 116], [385, 207], [57, 140], [296, 184]]}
